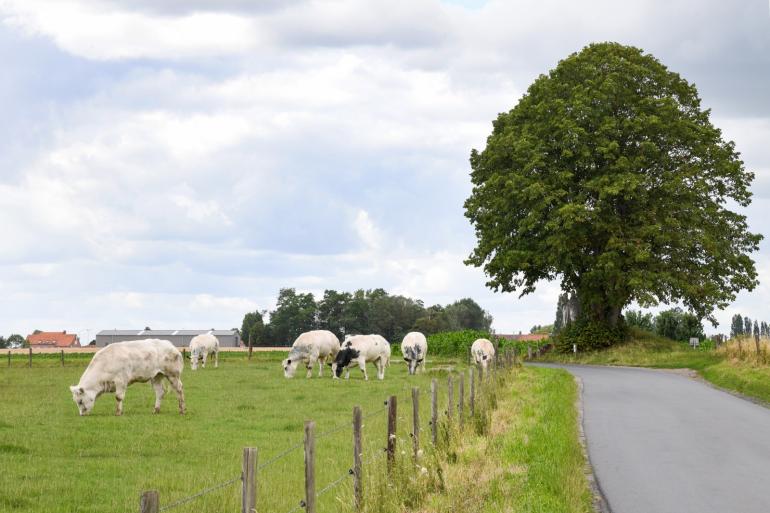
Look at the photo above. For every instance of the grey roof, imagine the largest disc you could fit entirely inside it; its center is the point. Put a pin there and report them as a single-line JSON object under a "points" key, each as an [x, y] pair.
{"points": [[162, 333]]}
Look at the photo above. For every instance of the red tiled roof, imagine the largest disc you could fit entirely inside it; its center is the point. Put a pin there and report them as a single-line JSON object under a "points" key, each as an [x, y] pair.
{"points": [[53, 339], [529, 337]]}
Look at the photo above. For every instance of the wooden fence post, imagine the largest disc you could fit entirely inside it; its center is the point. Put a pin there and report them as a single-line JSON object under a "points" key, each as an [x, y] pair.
{"points": [[450, 399], [358, 492], [416, 420], [149, 502], [461, 397], [472, 395], [310, 466], [30, 357], [249, 480], [250, 347], [62, 357], [433, 411], [391, 447], [9, 358]]}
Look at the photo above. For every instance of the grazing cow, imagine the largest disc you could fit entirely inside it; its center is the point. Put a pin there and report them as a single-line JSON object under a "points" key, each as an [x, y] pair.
{"points": [[414, 347], [200, 347], [118, 365], [311, 347], [483, 351], [358, 350]]}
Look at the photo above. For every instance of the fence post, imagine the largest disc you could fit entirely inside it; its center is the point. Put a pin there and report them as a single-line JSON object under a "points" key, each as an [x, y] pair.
{"points": [[416, 420], [30, 357], [472, 395], [250, 346], [357, 449], [433, 411], [461, 394], [529, 352], [249, 478], [9, 358], [391, 447], [470, 356], [62, 357], [149, 502], [450, 399], [310, 466]]}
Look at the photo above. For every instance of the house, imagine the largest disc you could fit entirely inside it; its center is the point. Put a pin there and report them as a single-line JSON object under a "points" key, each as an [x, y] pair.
{"points": [[59, 339], [180, 338], [529, 337]]}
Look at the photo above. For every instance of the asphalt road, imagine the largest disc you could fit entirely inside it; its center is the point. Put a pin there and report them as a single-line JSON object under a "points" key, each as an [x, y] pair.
{"points": [[662, 442]]}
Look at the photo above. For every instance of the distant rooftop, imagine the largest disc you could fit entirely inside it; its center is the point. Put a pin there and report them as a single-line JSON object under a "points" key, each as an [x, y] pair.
{"points": [[162, 333]]}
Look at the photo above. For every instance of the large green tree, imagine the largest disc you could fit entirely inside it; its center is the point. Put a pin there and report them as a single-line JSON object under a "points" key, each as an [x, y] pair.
{"points": [[294, 314], [609, 176]]}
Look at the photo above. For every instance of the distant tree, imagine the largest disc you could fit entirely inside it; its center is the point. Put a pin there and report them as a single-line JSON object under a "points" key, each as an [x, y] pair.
{"points": [[678, 325], [609, 176], [331, 311], [253, 327], [561, 304], [746, 325], [541, 330], [736, 327], [639, 319], [294, 314], [3, 342], [434, 320], [466, 314], [16, 341]]}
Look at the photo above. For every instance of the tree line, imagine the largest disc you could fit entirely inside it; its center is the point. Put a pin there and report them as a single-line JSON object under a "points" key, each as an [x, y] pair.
{"points": [[742, 327], [362, 311], [12, 342]]}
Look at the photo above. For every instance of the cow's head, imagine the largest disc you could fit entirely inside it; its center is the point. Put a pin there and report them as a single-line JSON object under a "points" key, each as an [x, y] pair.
{"points": [[413, 357], [84, 399], [289, 367], [195, 357], [343, 359]]}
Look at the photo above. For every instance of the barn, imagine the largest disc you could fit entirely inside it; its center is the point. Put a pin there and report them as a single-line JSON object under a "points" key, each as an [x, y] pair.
{"points": [[180, 338]]}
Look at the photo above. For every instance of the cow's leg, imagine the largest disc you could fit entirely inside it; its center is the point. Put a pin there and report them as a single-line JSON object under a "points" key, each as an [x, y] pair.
{"points": [[176, 383], [422, 365], [362, 364], [310, 364], [204, 356], [380, 369], [347, 372], [120, 394], [321, 363], [157, 384], [216, 358]]}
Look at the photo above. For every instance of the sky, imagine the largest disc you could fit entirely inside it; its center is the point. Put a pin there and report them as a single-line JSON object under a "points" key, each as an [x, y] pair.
{"points": [[174, 163]]}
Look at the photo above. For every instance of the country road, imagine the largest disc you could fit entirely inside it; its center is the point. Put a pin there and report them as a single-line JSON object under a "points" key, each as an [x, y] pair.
{"points": [[661, 442]]}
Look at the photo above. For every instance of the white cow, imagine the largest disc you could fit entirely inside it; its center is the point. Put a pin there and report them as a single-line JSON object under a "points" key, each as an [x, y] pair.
{"points": [[414, 347], [200, 347], [118, 365], [483, 351], [309, 348], [358, 350]]}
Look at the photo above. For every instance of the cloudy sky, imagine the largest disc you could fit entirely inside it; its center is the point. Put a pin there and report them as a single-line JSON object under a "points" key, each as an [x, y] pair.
{"points": [[173, 163]]}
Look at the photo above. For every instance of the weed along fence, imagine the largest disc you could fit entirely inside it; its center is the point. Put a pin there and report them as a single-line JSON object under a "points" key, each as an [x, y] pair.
{"points": [[420, 429]]}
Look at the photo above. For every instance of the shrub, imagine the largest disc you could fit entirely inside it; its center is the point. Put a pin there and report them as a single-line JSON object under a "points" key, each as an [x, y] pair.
{"points": [[454, 343], [589, 336]]}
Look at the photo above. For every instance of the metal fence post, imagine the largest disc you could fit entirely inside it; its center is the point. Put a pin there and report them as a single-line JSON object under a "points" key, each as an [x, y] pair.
{"points": [[357, 450], [310, 466], [149, 502], [391, 447], [249, 478]]}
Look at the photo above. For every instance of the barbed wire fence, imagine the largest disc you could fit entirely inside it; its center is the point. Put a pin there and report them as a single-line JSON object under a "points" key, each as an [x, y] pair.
{"points": [[452, 418]]}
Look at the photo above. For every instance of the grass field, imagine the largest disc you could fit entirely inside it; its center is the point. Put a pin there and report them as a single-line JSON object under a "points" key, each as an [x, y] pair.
{"points": [[54, 460], [748, 375]]}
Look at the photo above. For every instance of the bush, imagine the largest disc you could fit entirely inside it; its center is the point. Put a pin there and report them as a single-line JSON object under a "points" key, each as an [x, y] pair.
{"points": [[589, 336]]}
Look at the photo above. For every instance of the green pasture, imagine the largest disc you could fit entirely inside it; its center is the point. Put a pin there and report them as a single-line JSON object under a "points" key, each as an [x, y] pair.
{"points": [[54, 460]]}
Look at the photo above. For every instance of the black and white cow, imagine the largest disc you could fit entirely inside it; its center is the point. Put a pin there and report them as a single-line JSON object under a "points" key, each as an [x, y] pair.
{"points": [[359, 349]]}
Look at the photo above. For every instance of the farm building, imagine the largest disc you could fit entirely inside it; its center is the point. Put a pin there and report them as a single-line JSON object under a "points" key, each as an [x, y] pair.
{"points": [[180, 338], [53, 339]]}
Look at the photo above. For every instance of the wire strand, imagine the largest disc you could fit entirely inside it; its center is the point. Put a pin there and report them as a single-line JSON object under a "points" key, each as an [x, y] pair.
{"points": [[200, 494], [281, 455]]}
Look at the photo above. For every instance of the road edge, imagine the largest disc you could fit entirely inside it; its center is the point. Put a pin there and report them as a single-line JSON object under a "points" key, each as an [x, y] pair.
{"points": [[598, 500]]}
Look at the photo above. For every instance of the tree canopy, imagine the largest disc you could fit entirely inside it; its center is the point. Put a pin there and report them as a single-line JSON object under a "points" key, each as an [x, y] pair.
{"points": [[609, 176]]}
